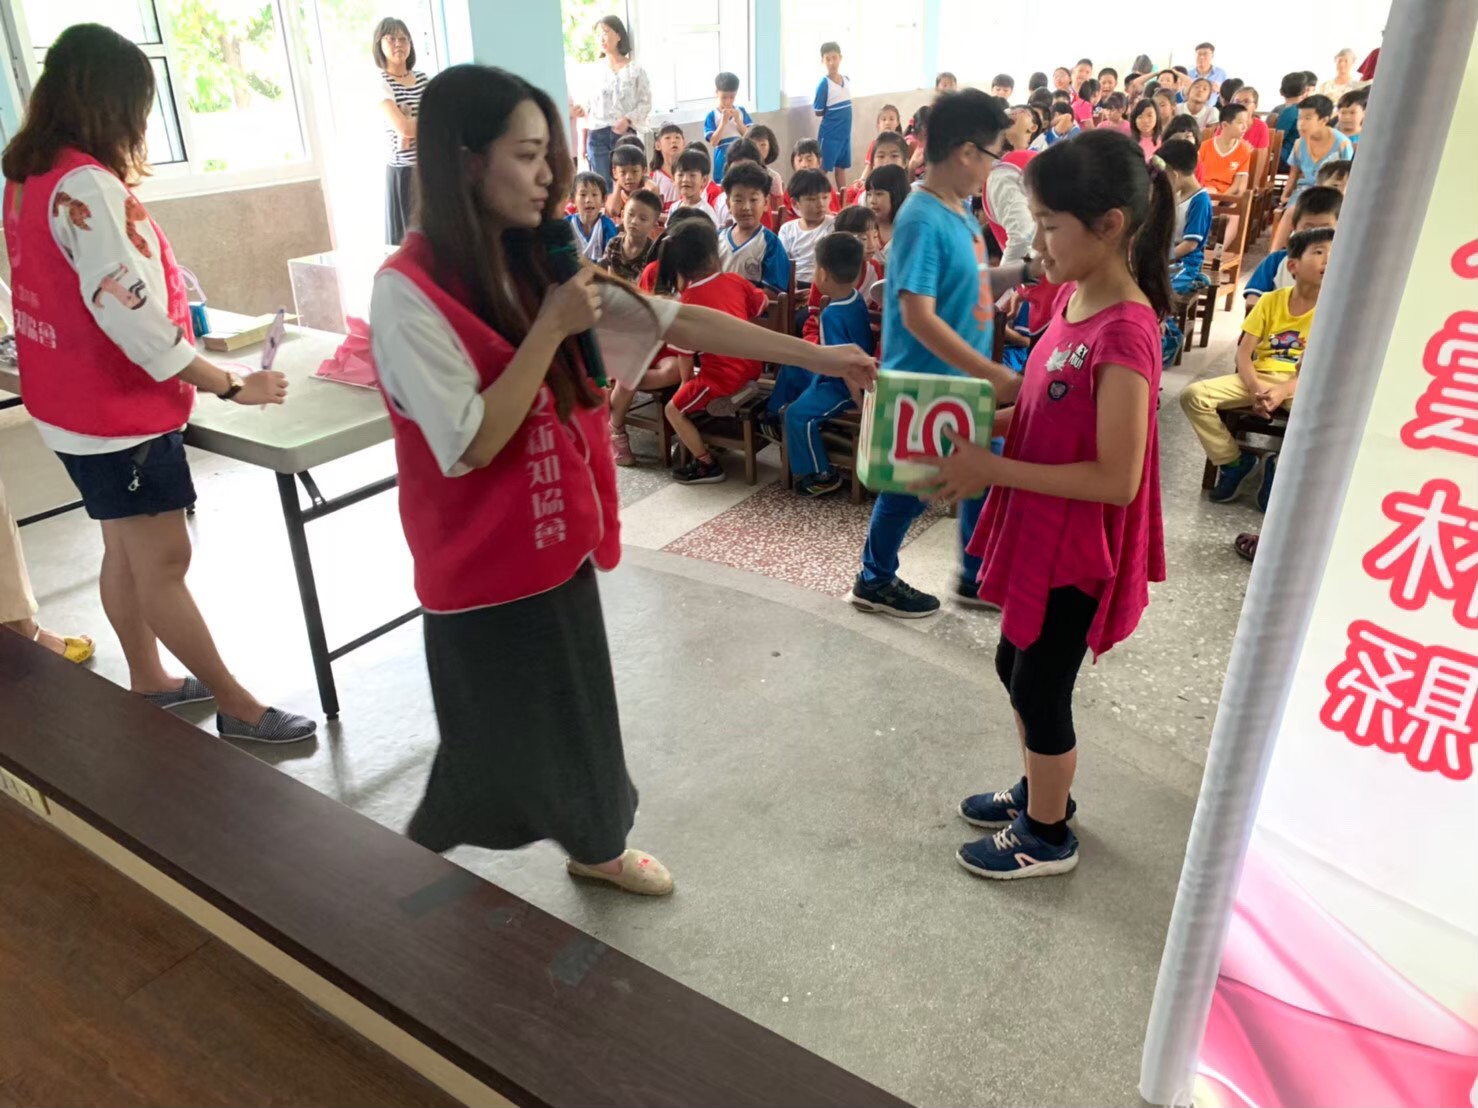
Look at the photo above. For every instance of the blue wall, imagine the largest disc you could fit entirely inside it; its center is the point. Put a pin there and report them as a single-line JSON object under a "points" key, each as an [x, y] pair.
{"points": [[766, 30], [523, 36]]}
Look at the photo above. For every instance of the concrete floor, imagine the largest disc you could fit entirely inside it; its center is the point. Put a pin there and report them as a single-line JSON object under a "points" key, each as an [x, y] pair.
{"points": [[800, 765]]}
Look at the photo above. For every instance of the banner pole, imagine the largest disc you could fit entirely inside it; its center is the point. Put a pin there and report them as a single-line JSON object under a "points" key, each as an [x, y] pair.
{"points": [[1423, 56]]}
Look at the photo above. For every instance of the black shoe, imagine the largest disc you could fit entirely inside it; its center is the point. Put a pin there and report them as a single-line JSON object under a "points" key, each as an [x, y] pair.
{"points": [[1265, 490], [770, 427], [894, 598], [967, 595], [819, 484], [699, 473]]}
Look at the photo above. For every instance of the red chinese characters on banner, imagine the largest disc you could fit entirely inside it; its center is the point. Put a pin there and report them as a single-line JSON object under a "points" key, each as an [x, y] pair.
{"points": [[1447, 413], [1465, 260], [1405, 698], [1433, 552]]}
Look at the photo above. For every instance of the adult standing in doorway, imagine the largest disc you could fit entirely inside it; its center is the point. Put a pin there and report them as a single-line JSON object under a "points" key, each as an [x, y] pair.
{"points": [[620, 103], [108, 369], [507, 484], [401, 85]]}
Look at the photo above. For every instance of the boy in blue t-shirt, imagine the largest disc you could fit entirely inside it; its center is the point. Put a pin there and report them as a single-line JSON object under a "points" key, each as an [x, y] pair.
{"points": [[938, 297], [1192, 217], [725, 124], [1317, 207], [844, 321]]}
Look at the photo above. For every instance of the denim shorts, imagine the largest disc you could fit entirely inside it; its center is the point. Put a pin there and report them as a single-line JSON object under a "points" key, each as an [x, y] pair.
{"points": [[143, 480]]}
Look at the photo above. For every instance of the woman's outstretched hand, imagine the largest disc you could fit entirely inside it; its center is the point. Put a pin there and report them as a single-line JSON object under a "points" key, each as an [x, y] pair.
{"points": [[851, 363]]}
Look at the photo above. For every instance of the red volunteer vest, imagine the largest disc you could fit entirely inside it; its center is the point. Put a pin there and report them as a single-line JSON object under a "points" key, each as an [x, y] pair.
{"points": [[72, 375], [525, 522]]}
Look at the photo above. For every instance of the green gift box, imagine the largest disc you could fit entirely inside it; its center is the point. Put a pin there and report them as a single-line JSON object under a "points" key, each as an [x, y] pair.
{"points": [[906, 414]]}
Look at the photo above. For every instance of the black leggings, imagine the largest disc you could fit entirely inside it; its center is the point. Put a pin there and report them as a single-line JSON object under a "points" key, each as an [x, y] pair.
{"points": [[1040, 678]]}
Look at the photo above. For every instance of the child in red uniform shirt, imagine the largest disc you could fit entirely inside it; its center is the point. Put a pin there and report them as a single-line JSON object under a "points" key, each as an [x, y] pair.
{"points": [[1071, 533], [688, 258]]}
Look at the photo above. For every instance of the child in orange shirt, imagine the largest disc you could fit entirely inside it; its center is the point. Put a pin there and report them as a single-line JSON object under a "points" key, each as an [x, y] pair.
{"points": [[1226, 157]]}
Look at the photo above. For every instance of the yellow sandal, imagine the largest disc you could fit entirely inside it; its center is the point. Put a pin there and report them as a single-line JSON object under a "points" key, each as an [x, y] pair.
{"points": [[75, 648]]}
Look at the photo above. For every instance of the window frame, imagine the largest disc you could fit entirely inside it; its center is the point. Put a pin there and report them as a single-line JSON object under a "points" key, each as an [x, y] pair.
{"points": [[187, 176], [735, 30]]}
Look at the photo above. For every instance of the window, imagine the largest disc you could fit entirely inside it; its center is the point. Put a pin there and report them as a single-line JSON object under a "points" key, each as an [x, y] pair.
{"points": [[882, 45], [226, 100], [684, 46]]}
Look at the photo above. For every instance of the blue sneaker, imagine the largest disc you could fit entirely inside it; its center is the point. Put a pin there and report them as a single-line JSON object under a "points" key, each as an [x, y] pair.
{"points": [[999, 809], [1229, 478], [1265, 490], [1014, 852]]}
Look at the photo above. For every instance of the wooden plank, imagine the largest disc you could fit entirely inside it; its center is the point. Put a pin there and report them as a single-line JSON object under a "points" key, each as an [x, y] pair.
{"points": [[204, 1027], [522, 1001]]}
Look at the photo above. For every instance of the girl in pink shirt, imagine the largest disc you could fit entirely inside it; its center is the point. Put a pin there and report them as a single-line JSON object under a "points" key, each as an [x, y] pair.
{"points": [[1071, 533]]}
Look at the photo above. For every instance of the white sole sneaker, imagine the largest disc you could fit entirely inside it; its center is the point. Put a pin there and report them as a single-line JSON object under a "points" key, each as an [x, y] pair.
{"points": [[872, 607], [1041, 869]]}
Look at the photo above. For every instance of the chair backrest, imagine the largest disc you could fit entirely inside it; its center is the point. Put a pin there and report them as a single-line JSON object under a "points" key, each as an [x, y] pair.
{"points": [[1274, 152], [1225, 209]]}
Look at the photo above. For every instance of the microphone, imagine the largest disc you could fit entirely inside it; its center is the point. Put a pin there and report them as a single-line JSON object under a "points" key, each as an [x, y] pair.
{"points": [[559, 242]]}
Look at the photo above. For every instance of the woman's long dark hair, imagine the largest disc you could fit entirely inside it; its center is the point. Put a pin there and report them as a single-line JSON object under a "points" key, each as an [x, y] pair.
{"points": [[1103, 170], [501, 276], [94, 95]]}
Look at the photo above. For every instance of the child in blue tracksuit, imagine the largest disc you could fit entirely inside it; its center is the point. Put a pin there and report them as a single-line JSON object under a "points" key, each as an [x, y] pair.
{"points": [[810, 400], [1192, 217], [833, 104]]}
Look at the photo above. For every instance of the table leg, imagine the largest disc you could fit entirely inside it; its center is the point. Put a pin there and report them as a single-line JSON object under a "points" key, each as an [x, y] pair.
{"points": [[297, 539]]}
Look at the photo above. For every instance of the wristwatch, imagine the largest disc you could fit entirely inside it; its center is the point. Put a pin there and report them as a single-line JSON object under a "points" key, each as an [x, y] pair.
{"points": [[235, 385]]}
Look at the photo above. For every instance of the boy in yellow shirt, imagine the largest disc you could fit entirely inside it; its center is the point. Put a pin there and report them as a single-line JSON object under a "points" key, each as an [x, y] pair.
{"points": [[1268, 353]]}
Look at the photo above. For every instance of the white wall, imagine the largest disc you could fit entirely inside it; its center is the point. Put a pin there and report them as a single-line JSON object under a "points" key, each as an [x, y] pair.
{"points": [[1265, 39]]}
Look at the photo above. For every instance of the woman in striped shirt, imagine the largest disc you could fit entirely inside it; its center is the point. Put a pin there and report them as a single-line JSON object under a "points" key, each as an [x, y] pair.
{"points": [[401, 85]]}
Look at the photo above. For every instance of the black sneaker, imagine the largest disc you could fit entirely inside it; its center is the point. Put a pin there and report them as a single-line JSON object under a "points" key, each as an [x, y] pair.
{"points": [[819, 484], [894, 598], [1265, 490], [967, 595], [770, 427], [699, 473]]}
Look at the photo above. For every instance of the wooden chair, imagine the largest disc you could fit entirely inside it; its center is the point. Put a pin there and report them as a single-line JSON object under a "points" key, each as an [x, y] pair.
{"points": [[649, 412], [1225, 268], [1266, 182], [1242, 423]]}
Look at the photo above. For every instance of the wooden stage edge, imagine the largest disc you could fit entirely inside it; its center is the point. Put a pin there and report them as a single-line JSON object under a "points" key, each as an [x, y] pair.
{"points": [[485, 995], [298, 977]]}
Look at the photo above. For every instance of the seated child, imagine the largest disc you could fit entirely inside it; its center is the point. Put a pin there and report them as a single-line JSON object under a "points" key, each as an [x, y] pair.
{"points": [[1226, 157], [1112, 111], [725, 123], [769, 147], [1063, 126], [744, 150], [1268, 353], [1003, 85], [747, 247], [670, 142], [627, 253], [648, 280], [888, 120], [1198, 103], [1335, 175], [688, 259], [1192, 217], [629, 170], [808, 189], [807, 155], [593, 228], [857, 221], [1315, 114], [1317, 207], [692, 187], [887, 149], [887, 189], [844, 321], [1351, 110]]}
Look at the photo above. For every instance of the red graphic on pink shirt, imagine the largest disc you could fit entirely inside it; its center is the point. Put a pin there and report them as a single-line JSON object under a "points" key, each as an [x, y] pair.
{"points": [[1433, 552], [1465, 260], [1405, 698], [1447, 413]]}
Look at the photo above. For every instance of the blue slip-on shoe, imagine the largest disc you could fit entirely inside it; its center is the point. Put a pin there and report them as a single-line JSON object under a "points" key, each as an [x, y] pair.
{"points": [[1000, 808], [1229, 478], [1014, 852]]}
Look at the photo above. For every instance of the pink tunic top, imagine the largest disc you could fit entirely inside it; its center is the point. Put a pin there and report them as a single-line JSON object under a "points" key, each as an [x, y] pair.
{"points": [[1032, 543]]}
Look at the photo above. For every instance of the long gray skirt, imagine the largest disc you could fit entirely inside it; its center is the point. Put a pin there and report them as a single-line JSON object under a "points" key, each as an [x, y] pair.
{"points": [[530, 737]]}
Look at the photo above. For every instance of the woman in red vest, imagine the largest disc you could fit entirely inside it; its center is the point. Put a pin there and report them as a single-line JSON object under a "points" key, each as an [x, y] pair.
{"points": [[108, 365], [507, 484]]}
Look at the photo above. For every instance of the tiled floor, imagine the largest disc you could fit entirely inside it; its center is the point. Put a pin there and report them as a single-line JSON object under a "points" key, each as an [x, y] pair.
{"points": [[799, 761]]}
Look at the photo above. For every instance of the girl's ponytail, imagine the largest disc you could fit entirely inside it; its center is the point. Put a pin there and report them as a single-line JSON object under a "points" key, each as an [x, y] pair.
{"points": [[1150, 252]]}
